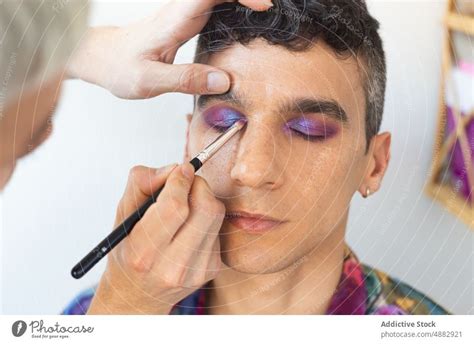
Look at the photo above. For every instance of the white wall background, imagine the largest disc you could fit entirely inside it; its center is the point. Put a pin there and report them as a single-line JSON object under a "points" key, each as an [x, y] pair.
{"points": [[62, 198]]}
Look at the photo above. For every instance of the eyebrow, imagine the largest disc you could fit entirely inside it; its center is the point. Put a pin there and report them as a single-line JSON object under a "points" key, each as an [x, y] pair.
{"points": [[228, 97], [328, 107]]}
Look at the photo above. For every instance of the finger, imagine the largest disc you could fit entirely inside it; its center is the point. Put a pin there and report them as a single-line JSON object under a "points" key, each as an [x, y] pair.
{"points": [[202, 227], [257, 5], [185, 78], [194, 16], [199, 227], [170, 210], [215, 264], [211, 256], [204, 265], [142, 183]]}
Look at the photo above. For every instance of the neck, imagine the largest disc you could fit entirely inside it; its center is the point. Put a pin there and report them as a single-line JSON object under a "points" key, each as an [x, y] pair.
{"points": [[304, 287]]}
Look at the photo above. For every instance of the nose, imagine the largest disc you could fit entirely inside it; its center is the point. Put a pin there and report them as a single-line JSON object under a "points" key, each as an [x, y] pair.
{"points": [[257, 160]]}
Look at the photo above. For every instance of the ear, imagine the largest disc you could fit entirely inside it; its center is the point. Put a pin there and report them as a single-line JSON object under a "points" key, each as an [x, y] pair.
{"points": [[186, 155], [379, 157]]}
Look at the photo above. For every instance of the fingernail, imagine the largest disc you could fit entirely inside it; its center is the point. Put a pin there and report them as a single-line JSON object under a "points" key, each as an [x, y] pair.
{"points": [[187, 170], [217, 82], [165, 169], [268, 3]]}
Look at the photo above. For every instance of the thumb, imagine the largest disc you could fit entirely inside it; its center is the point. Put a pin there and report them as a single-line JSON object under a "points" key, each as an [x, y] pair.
{"points": [[186, 78], [142, 183]]}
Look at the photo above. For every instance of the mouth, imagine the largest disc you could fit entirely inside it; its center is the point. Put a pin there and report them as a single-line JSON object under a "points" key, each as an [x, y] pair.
{"points": [[251, 222]]}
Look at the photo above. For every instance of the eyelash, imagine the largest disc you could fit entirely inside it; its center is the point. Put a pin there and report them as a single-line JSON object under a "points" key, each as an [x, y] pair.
{"points": [[222, 128], [307, 137], [311, 138]]}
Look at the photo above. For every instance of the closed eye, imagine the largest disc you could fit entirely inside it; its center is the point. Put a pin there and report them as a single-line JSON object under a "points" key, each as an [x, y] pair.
{"points": [[310, 129], [223, 126], [308, 137], [221, 118]]}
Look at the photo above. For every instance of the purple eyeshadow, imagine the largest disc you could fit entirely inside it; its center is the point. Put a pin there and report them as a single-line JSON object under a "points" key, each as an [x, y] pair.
{"points": [[221, 117], [311, 127]]}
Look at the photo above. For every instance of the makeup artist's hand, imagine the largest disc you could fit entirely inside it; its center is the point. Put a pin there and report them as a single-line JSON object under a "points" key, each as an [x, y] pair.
{"points": [[172, 251], [136, 61]]}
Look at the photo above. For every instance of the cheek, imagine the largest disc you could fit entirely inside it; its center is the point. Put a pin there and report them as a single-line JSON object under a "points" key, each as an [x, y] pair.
{"points": [[324, 176], [350, 165], [321, 198], [216, 171], [200, 136]]}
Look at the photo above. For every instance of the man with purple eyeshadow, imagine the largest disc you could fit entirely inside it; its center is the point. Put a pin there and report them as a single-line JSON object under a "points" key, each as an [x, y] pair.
{"points": [[312, 93]]}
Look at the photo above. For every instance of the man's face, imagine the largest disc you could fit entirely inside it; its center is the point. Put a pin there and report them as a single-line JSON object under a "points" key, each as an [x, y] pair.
{"points": [[300, 157]]}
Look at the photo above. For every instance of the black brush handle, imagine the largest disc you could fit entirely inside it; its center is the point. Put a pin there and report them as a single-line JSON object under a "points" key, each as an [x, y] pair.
{"points": [[118, 234]]}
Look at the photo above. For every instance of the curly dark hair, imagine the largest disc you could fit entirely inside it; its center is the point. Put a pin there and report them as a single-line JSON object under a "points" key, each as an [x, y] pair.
{"points": [[344, 25]]}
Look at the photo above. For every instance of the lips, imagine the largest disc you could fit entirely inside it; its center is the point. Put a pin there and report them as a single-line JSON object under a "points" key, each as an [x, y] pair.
{"points": [[252, 223]]}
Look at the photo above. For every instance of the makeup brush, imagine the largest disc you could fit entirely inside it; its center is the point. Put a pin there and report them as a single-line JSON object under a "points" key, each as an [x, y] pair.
{"points": [[124, 229]]}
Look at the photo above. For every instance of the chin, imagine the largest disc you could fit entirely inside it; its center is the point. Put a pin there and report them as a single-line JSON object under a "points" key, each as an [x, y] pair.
{"points": [[249, 264], [252, 256]]}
